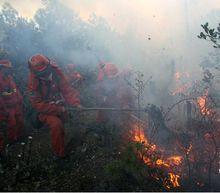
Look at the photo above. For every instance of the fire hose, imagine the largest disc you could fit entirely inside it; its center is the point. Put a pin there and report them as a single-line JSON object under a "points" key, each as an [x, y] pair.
{"points": [[111, 109], [106, 109]]}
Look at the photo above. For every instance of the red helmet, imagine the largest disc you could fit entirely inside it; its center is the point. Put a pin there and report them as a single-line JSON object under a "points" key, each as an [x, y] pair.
{"points": [[110, 70], [5, 63], [107, 69], [71, 70], [38, 63]]}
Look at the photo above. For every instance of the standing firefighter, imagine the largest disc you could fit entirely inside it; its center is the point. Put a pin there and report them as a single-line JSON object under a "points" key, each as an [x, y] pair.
{"points": [[49, 92], [11, 115]]}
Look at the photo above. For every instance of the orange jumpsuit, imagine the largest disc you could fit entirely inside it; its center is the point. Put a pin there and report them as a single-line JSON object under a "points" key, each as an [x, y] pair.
{"points": [[112, 91], [48, 98], [11, 111], [73, 76]]}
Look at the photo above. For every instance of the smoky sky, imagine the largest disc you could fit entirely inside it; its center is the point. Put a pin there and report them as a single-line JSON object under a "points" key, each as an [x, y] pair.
{"points": [[166, 29]]}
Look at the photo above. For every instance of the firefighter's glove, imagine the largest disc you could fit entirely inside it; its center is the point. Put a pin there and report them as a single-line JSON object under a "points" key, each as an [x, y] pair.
{"points": [[59, 102], [5, 93]]}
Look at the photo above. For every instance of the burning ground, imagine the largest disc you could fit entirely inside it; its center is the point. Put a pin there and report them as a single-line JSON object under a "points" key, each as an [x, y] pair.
{"points": [[149, 151], [172, 144]]}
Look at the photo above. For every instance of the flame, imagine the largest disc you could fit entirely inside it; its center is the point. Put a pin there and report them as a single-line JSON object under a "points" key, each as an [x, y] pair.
{"points": [[170, 161], [181, 89], [177, 76], [185, 150], [161, 162], [182, 86], [138, 135], [174, 179], [189, 149], [202, 103], [175, 160]]}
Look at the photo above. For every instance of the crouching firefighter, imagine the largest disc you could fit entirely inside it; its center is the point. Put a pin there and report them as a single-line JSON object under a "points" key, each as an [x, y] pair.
{"points": [[74, 77], [107, 91], [49, 92], [11, 107]]}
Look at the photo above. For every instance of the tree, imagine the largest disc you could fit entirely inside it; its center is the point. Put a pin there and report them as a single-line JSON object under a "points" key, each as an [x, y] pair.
{"points": [[211, 34]]}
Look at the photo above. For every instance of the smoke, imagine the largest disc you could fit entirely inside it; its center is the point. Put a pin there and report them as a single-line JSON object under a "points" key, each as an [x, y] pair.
{"points": [[155, 37]]}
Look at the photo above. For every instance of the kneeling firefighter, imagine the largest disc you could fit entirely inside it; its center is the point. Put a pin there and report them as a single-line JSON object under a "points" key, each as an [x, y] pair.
{"points": [[11, 107], [49, 92], [74, 77]]}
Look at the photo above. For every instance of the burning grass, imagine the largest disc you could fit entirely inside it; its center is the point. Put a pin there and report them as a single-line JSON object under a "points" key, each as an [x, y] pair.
{"points": [[153, 157]]}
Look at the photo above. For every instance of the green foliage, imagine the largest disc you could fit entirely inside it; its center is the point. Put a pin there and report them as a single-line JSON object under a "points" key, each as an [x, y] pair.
{"points": [[211, 34], [56, 31], [129, 173], [210, 64]]}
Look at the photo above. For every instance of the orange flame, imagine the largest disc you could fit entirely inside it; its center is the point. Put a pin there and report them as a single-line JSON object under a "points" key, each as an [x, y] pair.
{"points": [[138, 135], [174, 179], [189, 149], [175, 160], [181, 89], [179, 75], [202, 103], [182, 86]]}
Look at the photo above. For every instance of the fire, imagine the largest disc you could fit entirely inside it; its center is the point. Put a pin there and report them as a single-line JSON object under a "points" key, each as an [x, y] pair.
{"points": [[174, 179], [177, 76], [181, 89], [170, 161], [138, 135], [161, 162], [189, 149], [175, 160], [202, 103], [183, 86]]}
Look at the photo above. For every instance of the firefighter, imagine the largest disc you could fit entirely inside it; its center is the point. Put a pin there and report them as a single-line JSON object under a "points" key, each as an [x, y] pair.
{"points": [[49, 93], [106, 92], [11, 107], [74, 77], [112, 80], [107, 71], [112, 91]]}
